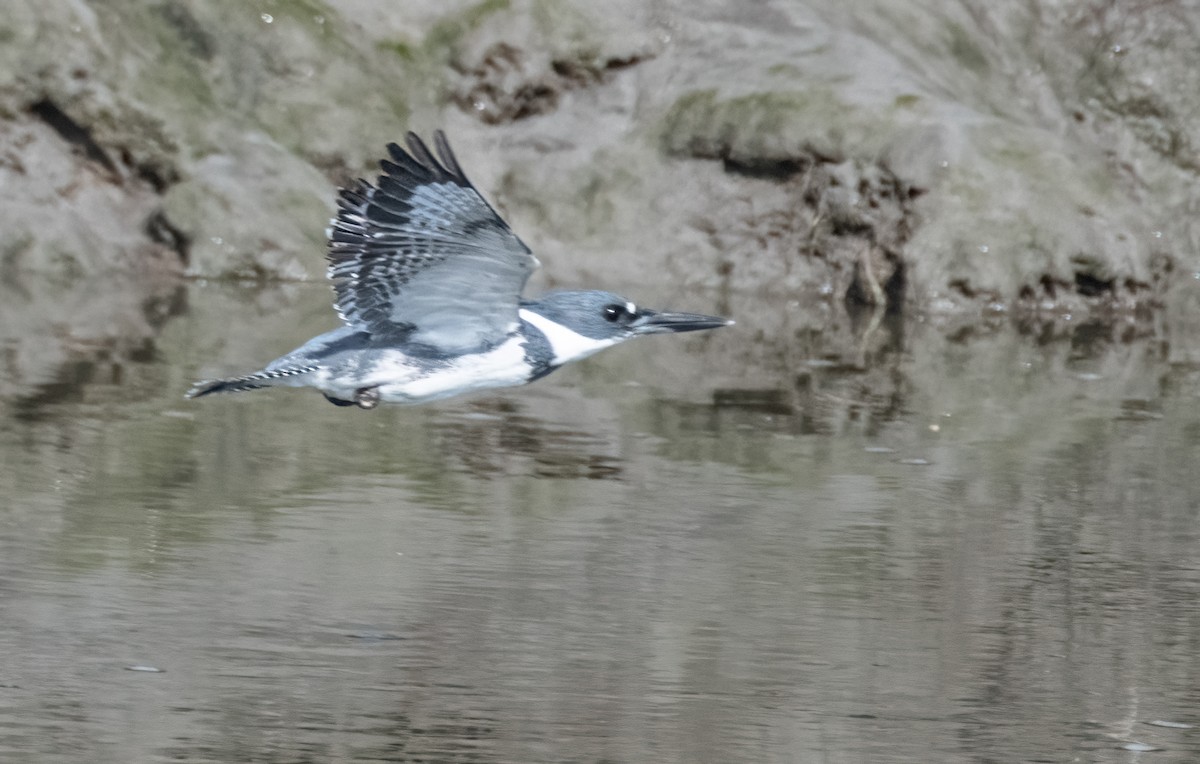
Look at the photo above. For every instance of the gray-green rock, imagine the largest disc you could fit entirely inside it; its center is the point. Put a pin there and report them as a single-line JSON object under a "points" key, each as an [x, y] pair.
{"points": [[936, 158]]}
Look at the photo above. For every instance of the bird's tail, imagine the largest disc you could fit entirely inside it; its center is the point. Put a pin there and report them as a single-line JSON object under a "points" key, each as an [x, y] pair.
{"points": [[255, 381]]}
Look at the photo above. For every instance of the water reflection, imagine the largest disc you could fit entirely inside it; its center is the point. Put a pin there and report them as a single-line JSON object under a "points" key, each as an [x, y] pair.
{"points": [[62, 340], [917, 545]]}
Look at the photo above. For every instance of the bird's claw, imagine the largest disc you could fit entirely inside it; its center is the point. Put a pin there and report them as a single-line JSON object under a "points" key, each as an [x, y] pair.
{"points": [[367, 397]]}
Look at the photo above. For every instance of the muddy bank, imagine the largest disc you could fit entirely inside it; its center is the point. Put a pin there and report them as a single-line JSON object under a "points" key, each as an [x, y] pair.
{"points": [[962, 161]]}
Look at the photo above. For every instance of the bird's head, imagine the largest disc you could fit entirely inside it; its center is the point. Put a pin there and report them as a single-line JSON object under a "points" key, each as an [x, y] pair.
{"points": [[578, 324]]}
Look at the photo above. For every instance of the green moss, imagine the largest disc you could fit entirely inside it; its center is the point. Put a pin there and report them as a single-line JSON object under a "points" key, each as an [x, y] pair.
{"points": [[13, 251], [196, 40], [313, 15], [906, 101], [785, 70], [178, 78], [772, 112], [596, 186], [400, 49], [964, 49], [693, 101], [64, 266], [771, 109], [445, 37], [682, 127], [563, 24], [769, 125]]}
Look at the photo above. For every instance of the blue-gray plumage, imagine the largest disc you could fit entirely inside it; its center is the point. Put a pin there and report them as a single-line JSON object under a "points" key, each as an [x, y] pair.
{"points": [[428, 282]]}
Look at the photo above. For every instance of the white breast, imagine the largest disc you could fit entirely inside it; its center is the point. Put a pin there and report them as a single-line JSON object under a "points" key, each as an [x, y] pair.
{"points": [[400, 382]]}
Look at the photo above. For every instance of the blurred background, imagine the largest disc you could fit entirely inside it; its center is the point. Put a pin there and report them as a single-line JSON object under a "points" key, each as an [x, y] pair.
{"points": [[931, 499]]}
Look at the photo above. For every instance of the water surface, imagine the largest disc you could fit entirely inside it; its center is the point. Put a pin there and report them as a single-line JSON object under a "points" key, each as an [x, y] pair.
{"points": [[969, 547]]}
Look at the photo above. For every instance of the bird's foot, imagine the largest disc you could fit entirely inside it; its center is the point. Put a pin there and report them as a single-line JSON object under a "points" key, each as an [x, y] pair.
{"points": [[367, 397]]}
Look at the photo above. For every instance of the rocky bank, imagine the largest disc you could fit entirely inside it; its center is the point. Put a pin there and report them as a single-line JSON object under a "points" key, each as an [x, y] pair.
{"points": [[949, 159]]}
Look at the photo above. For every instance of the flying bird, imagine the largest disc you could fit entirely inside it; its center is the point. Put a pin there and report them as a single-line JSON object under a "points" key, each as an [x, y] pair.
{"points": [[427, 280]]}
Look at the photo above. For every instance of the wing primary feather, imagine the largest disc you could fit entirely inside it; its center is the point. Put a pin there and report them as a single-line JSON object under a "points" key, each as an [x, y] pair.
{"points": [[448, 159], [402, 248], [409, 165], [352, 197], [420, 152]]}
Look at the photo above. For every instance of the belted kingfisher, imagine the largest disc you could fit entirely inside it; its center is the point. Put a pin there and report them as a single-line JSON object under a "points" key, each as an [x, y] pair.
{"points": [[427, 280]]}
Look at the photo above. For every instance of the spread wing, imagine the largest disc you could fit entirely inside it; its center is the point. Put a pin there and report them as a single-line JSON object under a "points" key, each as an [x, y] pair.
{"points": [[422, 257]]}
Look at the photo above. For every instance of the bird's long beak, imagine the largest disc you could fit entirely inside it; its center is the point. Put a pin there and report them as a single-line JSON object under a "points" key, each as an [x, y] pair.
{"points": [[654, 322]]}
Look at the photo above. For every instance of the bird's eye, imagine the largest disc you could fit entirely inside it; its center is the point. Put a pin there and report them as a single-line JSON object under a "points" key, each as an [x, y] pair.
{"points": [[614, 312]]}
